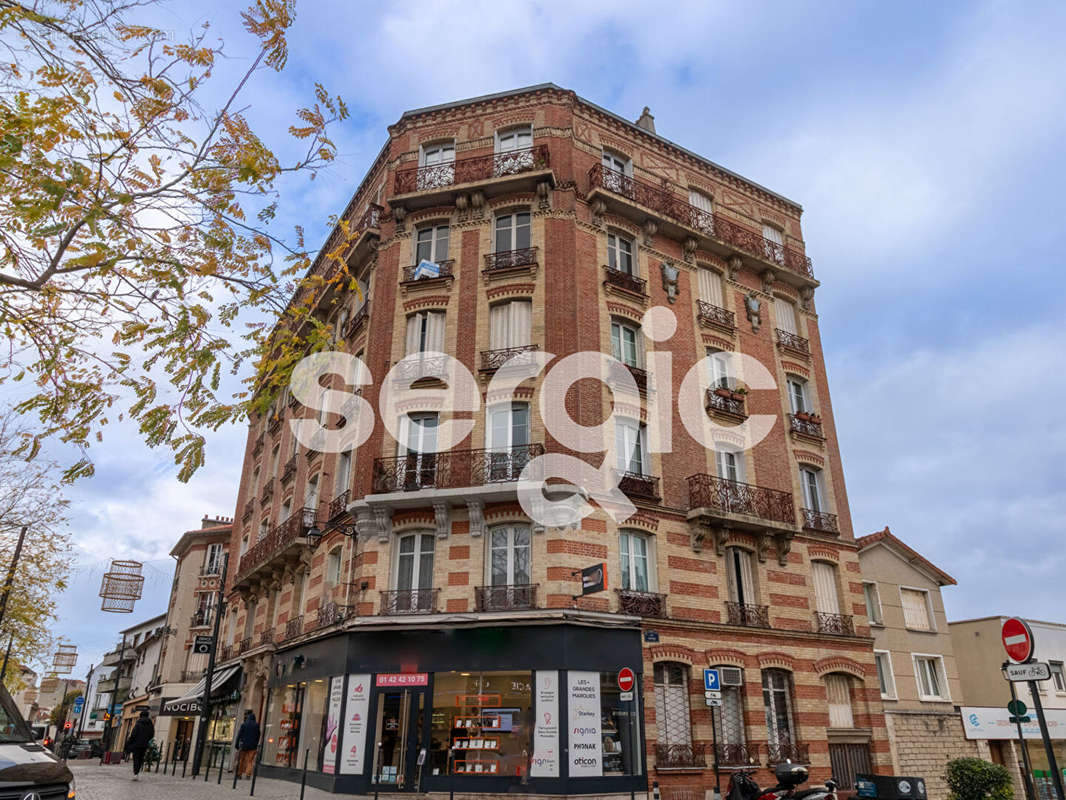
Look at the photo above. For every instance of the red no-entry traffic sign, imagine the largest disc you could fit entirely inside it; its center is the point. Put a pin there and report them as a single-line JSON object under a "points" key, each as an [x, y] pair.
{"points": [[1017, 640], [626, 678]]}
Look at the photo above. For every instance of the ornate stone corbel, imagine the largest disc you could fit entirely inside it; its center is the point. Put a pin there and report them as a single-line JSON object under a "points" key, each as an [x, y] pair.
{"points": [[598, 208], [721, 536], [735, 264], [806, 296], [365, 526], [477, 204], [651, 227], [689, 247], [768, 277], [538, 528], [399, 213], [784, 547], [762, 545], [462, 206], [753, 308], [442, 520], [383, 521], [544, 194], [475, 510], [670, 275], [698, 533]]}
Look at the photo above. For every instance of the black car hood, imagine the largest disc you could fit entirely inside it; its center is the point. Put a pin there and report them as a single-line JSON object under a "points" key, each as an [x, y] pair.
{"points": [[32, 764]]}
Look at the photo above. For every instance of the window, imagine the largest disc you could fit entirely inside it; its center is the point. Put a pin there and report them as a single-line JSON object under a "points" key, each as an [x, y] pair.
{"points": [[730, 465], [636, 562], [264, 529], [797, 395], [275, 457], [509, 556], [425, 332], [286, 510], [720, 366], [885, 678], [873, 602], [811, 479], [438, 163], [418, 441], [340, 324], [786, 316], [508, 441], [620, 254], [775, 243], [739, 576], [710, 284], [509, 324], [414, 561], [672, 718], [311, 494], [213, 559], [626, 344], [929, 670], [699, 200], [630, 439], [512, 232], [777, 703], [616, 168], [838, 693], [431, 244], [826, 597], [344, 473], [250, 609], [1057, 676], [244, 544], [916, 611], [299, 585], [333, 567], [514, 139], [729, 721]]}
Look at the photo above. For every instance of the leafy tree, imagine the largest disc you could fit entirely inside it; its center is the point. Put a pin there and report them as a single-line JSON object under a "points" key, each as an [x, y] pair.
{"points": [[59, 713], [30, 495], [977, 779], [135, 224]]}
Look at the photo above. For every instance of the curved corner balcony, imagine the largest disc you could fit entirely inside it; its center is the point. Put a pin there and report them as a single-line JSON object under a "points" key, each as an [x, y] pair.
{"points": [[282, 542], [718, 501], [640, 201]]}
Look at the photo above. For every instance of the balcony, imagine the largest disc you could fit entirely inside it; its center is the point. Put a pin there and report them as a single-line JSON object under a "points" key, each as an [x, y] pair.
{"points": [[516, 597], [727, 402], [492, 173], [714, 316], [615, 278], [492, 360], [793, 342], [338, 506], [642, 604], [267, 493], [227, 652], [274, 425], [409, 601], [506, 260], [807, 425], [680, 756], [212, 570], [289, 469], [738, 755], [746, 615], [257, 445], [638, 200], [282, 539], [356, 249], [821, 521], [249, 509], [293, 628], [245, 645], [357, 320], [786, 751], [618, 369], [724, 499], [411, 276], [332, 612], [834, 624], [639, 487], [451, 470], [266, 638], [201, 619], [191, 675]]}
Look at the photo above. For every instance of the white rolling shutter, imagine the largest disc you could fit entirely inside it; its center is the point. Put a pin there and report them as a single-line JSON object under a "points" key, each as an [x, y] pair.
{"points": [[825, 587]]}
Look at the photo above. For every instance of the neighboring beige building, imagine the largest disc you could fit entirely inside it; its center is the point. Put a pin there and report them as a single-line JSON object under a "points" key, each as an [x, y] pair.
{"points": [[916, 665], [986, 694]]}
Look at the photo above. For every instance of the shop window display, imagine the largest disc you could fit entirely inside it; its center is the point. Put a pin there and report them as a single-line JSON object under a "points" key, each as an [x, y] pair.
{"points": [[620, 728], [313, 723], [281, 734], [486, 719]]}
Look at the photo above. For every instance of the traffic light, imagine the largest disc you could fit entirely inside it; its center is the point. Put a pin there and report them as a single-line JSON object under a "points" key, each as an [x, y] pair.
{"points": [[107, 716], [68, 725]]}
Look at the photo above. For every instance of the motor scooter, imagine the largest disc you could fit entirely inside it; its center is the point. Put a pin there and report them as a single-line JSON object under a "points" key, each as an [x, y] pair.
{"points": [[789, 776]]}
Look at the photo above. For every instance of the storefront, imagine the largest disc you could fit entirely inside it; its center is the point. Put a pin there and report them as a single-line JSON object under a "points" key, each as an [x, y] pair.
{"points": [[179, 717], [529, 709]]}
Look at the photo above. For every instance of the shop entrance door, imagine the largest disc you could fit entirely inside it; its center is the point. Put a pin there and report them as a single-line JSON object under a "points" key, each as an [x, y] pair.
{"points": [[398, 739]]}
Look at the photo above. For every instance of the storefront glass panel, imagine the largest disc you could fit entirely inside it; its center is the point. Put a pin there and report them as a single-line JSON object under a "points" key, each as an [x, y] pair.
{"points": [[486, 718], [620, 728], [281, 733], [313, 724]]}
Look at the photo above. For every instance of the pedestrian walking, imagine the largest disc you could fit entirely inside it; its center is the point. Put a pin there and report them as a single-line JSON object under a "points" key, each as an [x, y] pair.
{"points": [[247, 744], [137, 742]]}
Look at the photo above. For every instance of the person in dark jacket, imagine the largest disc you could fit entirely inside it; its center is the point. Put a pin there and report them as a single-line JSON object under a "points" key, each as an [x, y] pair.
{"points": [[137, 742], [247, 742]]}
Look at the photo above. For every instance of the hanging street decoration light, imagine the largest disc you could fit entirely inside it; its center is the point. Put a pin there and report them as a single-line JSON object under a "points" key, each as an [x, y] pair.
{"points": [[65, 658], [122, 586]]}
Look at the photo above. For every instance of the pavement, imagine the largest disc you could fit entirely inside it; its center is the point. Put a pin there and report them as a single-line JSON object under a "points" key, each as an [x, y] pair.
{"points": [[112, 782]]}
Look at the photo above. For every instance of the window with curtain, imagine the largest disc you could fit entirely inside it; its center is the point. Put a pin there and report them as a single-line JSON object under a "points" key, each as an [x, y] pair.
{"points": [[414, 561], [740, 576], [916, 609], [838, 693], [431, 243], [636, 561], [620, 253], [775, 243], [710, 285], [700, 200], [509, 555], [826, 596], [811, 479], [311, 493], [673, 720], [797, 395], [425, 332], [510, 324], [630, 438], [777, 703], [786, 316], [730, 465], [512, 231], [418, 444], [508, 437], [873, 602], [930, 673], [627, 343], [519, 138]]}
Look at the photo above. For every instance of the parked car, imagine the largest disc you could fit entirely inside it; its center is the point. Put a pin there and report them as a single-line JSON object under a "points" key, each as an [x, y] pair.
{"points": [[25, 766], [80, 748]]}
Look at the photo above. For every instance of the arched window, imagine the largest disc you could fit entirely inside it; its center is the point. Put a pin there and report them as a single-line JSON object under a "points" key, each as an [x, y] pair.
{"points": [[437, 165], [672, 718], [729, 721], [777, 701], [838, 694]]}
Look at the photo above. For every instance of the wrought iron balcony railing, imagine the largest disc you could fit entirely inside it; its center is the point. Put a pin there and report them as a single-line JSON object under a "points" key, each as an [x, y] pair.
{"points": [[294, 627], [640, 487], [738, 755], [747, 615], [670, 206], [471, 169], [452, 469], [793, 341], [805, 426], [279, 537], [227, 652], [786, 751], [358, 318], [257, 444], [289, 469], [623, 280], [820, 521], [332, 612], [266, 637], [619, 368], [642, 604], [409, 601], [710, 491], [267, 493], [514, 597], [680, 755], [834, 624], [510, 259], [339, 504], [249, 508], [713, 315], [274, 425], [201, 619], [492, 360], [245, 645], [725, 401], [445, 267]]}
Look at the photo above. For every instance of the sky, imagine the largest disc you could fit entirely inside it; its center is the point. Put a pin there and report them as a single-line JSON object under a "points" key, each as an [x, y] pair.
{"points": [[924, 143]]}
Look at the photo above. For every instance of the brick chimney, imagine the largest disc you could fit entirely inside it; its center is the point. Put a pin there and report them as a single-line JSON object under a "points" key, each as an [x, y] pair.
{"points": [[646, 121]]}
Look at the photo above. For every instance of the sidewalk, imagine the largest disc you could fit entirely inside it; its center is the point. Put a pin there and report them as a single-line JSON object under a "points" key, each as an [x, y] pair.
{"points": [[113, 782]]}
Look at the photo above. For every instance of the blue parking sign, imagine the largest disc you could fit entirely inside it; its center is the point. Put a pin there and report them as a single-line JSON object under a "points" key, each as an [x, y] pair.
{"points": [[710, 680]]}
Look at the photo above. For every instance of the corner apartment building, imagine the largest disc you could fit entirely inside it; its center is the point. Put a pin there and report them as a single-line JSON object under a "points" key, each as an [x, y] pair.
{"points": [[984, 715], [916, 665], [131, 671], [406, 594]]}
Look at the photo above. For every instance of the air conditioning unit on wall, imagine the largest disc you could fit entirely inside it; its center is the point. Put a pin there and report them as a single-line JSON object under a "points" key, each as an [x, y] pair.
{"points": [[731, 676]]}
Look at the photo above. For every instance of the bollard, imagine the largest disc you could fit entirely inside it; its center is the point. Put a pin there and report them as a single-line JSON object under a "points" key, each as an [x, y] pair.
{"points": [[207, 768], [236, 769], [222, 765], [185, 764], [655, 790], [303, 777], [255, 768], [164, 760]]}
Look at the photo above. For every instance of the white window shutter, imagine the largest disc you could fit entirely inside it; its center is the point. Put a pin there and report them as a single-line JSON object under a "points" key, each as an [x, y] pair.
{"points": [[786, 315], [414, 333], [711, 287], [825, 588]]}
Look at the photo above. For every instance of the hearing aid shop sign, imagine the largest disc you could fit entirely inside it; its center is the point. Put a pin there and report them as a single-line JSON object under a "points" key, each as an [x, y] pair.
{"points": [[982, 722]]}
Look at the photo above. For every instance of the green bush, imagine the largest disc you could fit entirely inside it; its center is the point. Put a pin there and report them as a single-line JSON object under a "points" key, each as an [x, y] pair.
{"points": [[976, 779]]}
